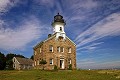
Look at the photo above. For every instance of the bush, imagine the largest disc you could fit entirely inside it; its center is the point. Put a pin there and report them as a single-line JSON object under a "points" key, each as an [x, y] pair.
{"points": [[70, 67], [55, 68]]}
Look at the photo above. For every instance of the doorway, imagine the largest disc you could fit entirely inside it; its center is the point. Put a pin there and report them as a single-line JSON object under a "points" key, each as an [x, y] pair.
{"points": [[61, 63]]}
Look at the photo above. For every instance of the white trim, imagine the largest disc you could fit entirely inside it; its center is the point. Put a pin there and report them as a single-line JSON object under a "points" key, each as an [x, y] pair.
{"points": [[69, 50], [51, 48], [35, 63], [63, 65], [16, 59], [58, 49], [35, 52], [40, 50], [71, 40], [50, 61], [62, 49], [38, 62]]}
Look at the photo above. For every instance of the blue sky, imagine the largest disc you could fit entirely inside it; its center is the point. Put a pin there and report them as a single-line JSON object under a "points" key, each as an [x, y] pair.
{"points": [[94, 25]]}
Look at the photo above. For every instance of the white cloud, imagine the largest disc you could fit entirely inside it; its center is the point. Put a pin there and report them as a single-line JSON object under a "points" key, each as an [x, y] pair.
{"points": [[86, 61], [18, 38], [94, 65], [90, 47], [110, 26], [87, 4], [47, 3], [80, 9], [5, 5]]}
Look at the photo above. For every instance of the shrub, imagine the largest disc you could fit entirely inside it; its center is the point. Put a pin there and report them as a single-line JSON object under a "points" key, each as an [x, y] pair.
{"points": [[70, 67], [55, 68], [43, 62]]}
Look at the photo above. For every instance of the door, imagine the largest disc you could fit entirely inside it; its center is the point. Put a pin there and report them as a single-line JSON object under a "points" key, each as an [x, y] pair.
{"points": [[61, 63]]}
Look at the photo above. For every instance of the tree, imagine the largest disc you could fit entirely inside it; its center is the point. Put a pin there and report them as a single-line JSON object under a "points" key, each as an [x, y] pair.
{"points": [[70, 67], [55, 68], [9, 62], [43, 62], [19, 55], [2, 61], [32, 57]]}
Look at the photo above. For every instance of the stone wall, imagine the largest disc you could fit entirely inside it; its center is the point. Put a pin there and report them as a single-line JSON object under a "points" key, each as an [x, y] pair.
{"points": [[55, 55]]}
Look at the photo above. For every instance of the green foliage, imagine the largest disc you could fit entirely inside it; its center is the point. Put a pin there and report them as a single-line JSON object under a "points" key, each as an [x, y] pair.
{"points": [[43, 62], [70, 67], [9, 65], [6, 61], [9, 62], [60, 75], [2, 61], [55, 68], [32, 57]]}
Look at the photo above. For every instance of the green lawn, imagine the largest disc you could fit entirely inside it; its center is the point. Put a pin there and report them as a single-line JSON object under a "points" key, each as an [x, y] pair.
{"points": [[61, 75]]}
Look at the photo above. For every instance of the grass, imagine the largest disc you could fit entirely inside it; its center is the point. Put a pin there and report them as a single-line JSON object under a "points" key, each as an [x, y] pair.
{"points": [[60, 75]]}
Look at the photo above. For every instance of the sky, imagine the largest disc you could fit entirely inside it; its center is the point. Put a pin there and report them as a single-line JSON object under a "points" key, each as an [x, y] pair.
{"points": [[94, 25]]}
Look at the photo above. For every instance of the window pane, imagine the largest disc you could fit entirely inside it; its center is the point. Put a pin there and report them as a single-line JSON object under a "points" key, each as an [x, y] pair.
{"points": [[51, 61], [40, 50], [69, 50], [62, 49], [58, 49], [35, 52], [69, 61], [60, 28], [51, 48]]}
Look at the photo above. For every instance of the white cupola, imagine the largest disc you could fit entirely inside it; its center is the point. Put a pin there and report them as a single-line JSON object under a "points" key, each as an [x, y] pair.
{"points": [[58, 26]]}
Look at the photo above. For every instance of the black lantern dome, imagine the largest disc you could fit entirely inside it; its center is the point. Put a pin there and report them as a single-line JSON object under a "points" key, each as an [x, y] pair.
{"points": [[59, 18]]}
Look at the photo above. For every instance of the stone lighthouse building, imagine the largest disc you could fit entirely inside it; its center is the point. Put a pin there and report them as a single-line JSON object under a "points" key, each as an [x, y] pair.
{"points": [[57, 49]]}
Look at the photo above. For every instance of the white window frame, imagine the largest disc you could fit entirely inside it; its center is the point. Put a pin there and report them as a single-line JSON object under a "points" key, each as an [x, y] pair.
{"points": [[38, 62], [58, 49], [50, 47], [35, 52], [62, 51], [69, 50], [35, 62], [70, 61], [60, 29], [40, 50], [51, 61]]}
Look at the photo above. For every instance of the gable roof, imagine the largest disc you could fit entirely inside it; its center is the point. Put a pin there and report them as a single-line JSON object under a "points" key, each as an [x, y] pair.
{"points": [[40, 43], [24, 61]]}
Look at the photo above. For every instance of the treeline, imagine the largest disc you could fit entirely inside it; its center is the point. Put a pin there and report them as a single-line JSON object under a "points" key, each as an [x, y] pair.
{"points": [[6, 60]]}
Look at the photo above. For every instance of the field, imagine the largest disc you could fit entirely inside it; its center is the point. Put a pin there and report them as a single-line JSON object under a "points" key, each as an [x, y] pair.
{"points": [[60, 75]]}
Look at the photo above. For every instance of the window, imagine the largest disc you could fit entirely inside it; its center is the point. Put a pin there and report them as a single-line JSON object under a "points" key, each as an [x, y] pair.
{"points": [[35, 63], [51, 61], [14, 60], [13, 65], [60, 28], [62, 49], [51, 48], [40, 50], [69, 61], [35, 52], [58, 49], [38, 62], [69, 50]]}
